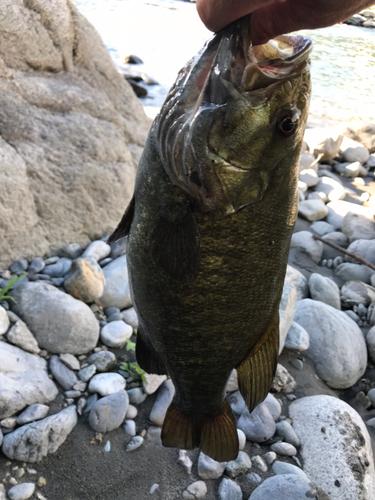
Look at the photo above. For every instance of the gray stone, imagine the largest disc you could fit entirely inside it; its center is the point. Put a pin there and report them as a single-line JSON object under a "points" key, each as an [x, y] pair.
{"points": [[337, 238], [297, 279], [237, 402], [259, 425], [209, 468], [285, 430], [321, 228], [331, 188], [80, 386], [184, 461], [32, 442], [115, 334], [241, 439], [4, 321], [21, 491], [370, 341], [325, 290], [154, 435], [240, 466], [273, 405], [151, 383], [116, 291], [232, 384], [163, 400], [287, 310], [323, 141], [354, 293], [348, 169], [36, 265], [13, 318], [338, 209], [136, 396], [1, 442], [19, 266], [355, 151], [352, 315], [283, 381], [72, 394], [337, 346], [118, 247], [287, 487], [371, 396], [60, 269], [64, 376], [285, 468], [297, 338], [131, 412], [304, 241], [354, 272], [359, 226], [135, 443], [104, 262], [195, 490], [259, 463], [17, 369], [60, 323], [229, 490], [284, 449], [107, 383], [90, 403], [103, 360], [21, 336], [306, 160], [86, 373], [129, 427], [72, 251], [335, 446], [312, 210], [269, 457], [115, 317], [97, 250], [130, 317], [32, 413], [309, 177], [253, 478], [8, 423], [51, 260], [86, 280], [109, 412], [70, 361], [363, 248]]}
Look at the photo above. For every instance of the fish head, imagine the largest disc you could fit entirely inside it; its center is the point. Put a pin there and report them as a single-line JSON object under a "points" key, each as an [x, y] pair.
{"points": [[235, 116]]}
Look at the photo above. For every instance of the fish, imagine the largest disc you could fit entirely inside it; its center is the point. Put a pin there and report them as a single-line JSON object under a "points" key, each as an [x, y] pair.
{"points": [[209, 229]]}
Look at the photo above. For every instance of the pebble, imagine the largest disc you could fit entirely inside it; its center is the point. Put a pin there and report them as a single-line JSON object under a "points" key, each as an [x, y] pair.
{"points": [[287, 486], [130, 317], [70, 361], [354, 272], [32, 413], [297, 279], [60, 269], [297, 363], [115, 334], [208, 468], [104, 262], [19, 266], [309, 177], [237, 402], [259, 463], [284, 449], [135, 443], [297, 338], [90, 403], [4, 321], [153, 488], [370, 342], [129, 427], [356, 152], [97, 250], [285, 430], [312, 210], [184, 461], [305, 242], [21, 336], [8, 423], [371, 422], [321, 228], [51, 260], [80, 386], [118, 248], [86, 373], [325, 290], [229, 490], [270, 457], [331, 188], [64, 376], [287, 310], [195, 490], [103, 360], [348, 169], [254, 478], [21, 491], [232, 384], [108, 311], [151, 383], [283, 381], [72, 394], [259, 425], [109, 412], [57, 281], [285, 468], [137, 396], [241, 439], [72, 251], [107, 383], [352, 315], [240, 466], [371, 396], [154, 435], [81, 404], [163, 400], [131, 412], [116, 290], [358, 226], [354, 293], [107, 447], [86, 280], [115, 317], [273, 405], [36, 266]]}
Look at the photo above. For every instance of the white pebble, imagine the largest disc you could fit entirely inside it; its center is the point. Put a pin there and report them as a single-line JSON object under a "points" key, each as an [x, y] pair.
{"points": [[21, 491], [135, 443], [153, 488]]}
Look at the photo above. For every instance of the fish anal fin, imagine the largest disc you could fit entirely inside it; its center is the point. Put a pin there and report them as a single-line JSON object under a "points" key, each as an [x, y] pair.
{"points": [[147, 357], [256, 372], [175, 247], [124, 225], [216, 436]]}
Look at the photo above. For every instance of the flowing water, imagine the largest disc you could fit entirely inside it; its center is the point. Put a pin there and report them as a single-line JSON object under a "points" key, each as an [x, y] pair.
{"points": [[166, 33]]}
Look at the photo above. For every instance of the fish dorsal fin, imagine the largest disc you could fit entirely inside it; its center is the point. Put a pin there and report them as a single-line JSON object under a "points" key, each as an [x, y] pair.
{"points": [[256, 372], [124, 226], [147, 357], [175, 246]]}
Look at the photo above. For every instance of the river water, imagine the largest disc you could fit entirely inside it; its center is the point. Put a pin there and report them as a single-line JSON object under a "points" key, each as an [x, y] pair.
{"points": [[166, 33]]}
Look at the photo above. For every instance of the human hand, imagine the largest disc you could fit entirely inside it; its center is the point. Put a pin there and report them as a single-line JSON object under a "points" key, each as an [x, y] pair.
{"points": [[275, 17]]}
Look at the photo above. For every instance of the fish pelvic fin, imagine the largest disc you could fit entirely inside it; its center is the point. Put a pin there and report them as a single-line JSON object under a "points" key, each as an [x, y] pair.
{"points": [[256, 372], [216, 436], [124, 225], [147, 357]]}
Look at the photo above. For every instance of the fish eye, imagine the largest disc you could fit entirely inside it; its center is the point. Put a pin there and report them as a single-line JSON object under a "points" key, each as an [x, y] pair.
{"points": [[287, 124]]}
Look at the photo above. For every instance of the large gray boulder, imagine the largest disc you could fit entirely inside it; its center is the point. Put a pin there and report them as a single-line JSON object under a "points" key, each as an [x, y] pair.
{"points": [[71, 130]]}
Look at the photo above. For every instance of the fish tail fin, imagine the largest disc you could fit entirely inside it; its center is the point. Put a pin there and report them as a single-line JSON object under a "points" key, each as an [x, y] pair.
{"points": [[216, 436]]}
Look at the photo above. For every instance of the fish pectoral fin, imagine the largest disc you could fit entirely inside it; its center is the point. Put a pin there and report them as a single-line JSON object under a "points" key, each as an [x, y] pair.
{"points": [[147, 356], [256, 372], [175, 247], [216, 436], [124, 226]]}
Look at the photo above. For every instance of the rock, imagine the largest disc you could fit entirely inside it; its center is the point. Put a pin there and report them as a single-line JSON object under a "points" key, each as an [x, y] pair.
{"points": [[104, 361], [283, 381], [163, 400], [107, 383], [259, 425], [232, 384], [130, 317], [338, 209], [135, 443], [70, 361], [254, 478], [109, 412], [58, 270], [241, 439], [118, 247], [65, 377], [365, 135], [297, 279], [237, 402], [358, 226], [151, 383], [337, 238], [209, 468], [331, 188], [21, 491], [370, 341], [115, 334], [288, 487], [284, 449], [354, 293], [229, 490], [32, 413], [270, 457], [273, 405], [136, 396], [60, 323], [335, 447], [323, 141], [21, 336], [72, 251], [2, 489], [354, 151], [195, 490], [240, 466], [259, 463], [297, 338], [309, 177], [131, 412], [350, 170], [86, 280], [129, 427], [305, 242], [115, 317], [185, 461], [116, 291], [354, 272], [371, 396], [17, 369], [371, 314], [19, 266], [32, 442], [285, 430], [312, 210], [285, 468], [154, 435], [325, 290], [321, 228], [287, 310], [337, 346], [4, 321], [369, 24], [97, 250], [86, 373], [306, 160], [364, 249]]}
